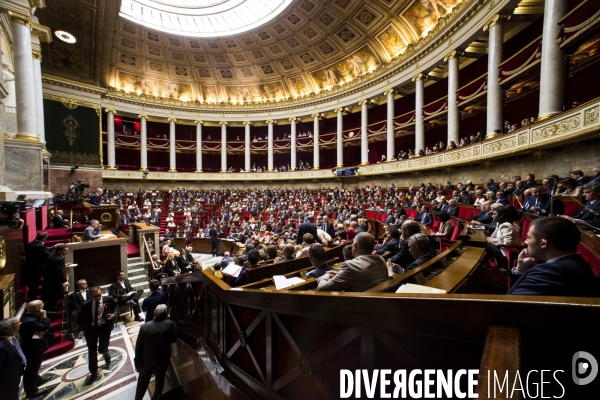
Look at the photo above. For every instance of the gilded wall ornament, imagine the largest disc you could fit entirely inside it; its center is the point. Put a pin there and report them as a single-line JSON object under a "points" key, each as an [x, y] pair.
{"points": [[71, 124]]}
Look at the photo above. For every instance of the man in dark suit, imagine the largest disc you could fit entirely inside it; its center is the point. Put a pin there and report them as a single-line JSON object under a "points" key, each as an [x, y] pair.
{"points": [[425, 217], [36, 338], [562, 272], [328, 226], [76, 300], [156, 297], [390, 217], [55, 278], [214, 241], [96, 319], [12, 359], [36, 255], [96, 198], [590, 213], [308, 227], [419, 247], [183, 262], [318, 258], [122, 290], [484, 217], [391, 242], [539, 203], [58, 221], [153, 351], [451, 209], [403, 258]]}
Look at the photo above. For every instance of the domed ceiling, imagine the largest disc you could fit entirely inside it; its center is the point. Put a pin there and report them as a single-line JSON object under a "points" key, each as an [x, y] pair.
{"points": [[309, 47]]}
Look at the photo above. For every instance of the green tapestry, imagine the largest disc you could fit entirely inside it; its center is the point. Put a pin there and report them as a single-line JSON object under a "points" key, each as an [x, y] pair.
{"points": [[72, 133]]}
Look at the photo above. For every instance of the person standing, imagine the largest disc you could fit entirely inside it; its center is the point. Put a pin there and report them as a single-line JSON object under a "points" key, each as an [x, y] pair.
{"points": [[55, 278], [153, 351], [76, 300], [36, 338], [12, 359], [96, 320], [155, 298], [36, 254], [214, 241]]}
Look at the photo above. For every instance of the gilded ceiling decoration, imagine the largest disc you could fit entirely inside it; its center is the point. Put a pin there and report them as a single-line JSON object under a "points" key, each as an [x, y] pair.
{"points": [[312, 46]]}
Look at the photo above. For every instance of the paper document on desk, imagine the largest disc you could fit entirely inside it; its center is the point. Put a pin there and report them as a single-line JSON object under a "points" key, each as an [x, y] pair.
{"points": [[232, 270], [108, 235], [281, 282], [412, 288]]}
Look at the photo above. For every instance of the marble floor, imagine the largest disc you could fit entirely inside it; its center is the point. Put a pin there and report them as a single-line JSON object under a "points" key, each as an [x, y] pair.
{"points": [[118, 382]]}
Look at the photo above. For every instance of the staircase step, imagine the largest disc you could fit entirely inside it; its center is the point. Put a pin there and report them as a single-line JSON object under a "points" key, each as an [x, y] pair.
{"points": [[134, 259]]}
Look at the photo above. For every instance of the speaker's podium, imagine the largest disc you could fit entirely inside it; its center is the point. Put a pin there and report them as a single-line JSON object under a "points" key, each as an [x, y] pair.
{"points": [[97, 261]]}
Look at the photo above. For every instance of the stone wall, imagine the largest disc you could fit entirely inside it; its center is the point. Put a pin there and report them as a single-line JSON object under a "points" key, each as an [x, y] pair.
{"points": [[23, 165], [559, 160], [61, 178]]}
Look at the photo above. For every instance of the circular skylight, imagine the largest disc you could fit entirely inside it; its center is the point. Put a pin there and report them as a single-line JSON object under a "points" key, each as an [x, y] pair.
{"points": [[202, 18], [65, 36]]}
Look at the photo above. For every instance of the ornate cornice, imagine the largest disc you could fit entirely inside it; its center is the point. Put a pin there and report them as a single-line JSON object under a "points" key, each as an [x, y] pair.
{"points": [[108, 110], [248, 123], [390, 91], [69, 101], [496, 20], [418, 77], [271, 122], [73, 85], [20, 18], [363, 102], [317, 115], [294, 119], [44, 33], [141, 116], [37, 54], [199, 122], [223, 123], [577, 124]]}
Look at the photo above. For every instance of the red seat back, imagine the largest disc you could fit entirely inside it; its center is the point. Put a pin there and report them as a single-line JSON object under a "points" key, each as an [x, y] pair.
{"points": [[571, 208], [590, 257], [468, 213], [461, 212]]}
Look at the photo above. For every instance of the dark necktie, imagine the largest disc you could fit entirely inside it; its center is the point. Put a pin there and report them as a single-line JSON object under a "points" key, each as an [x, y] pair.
{"points": [[18, 347], [96, 314]]}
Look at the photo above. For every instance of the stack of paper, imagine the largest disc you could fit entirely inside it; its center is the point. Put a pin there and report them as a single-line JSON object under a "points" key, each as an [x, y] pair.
{"points": [[232, 270], [281, 282], [412, 288]]}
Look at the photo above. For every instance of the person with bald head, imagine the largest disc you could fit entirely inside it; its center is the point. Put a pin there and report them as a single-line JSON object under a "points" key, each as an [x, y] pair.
{"points": [[36, 338], [363, 272]]}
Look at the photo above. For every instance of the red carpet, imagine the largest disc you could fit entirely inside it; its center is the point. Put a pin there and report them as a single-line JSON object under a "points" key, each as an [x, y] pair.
{"points": [[133, 250]]}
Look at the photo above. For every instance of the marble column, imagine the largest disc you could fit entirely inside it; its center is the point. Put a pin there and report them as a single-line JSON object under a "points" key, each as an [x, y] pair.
{"points": [[495, 96], [223, 146], [199, 145], [552, 75], [143, 142], [293, 121], [391, 137], [270, 145], [316, 152], [419, 81], [110, 139], [247, 164], [172, 146], [453, 114], [364, 134], [39, 96], [24, 77], [340, 136]]}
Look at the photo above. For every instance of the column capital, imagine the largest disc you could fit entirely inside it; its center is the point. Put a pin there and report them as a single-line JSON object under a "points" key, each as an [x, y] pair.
{"points": [[199, 122], [248, 123], [271, 122], [317, 115], [496, 20], [418, 77], [108, 110], [20, 18], [142, 116], [362, 102], [223, 123], [390, 91], [294, 119], [36, 54], [171, 119], [453, 54], [42, 32], [338, 110]]}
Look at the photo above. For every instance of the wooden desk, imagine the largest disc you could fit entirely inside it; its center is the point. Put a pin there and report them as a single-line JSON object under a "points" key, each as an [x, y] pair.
{"points": [[202, 245], [453, 277], [97, 261]]}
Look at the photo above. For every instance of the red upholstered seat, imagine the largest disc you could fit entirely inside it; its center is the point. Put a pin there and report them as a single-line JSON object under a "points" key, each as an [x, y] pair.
{"points": [[572, 208], [461, 212], [468, 213]]}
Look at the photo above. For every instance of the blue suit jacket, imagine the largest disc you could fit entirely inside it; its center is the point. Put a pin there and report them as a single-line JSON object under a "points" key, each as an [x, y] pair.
{"points": [[568, 276], [150, 303], [558, 208], [425, 219], [11, 369]]}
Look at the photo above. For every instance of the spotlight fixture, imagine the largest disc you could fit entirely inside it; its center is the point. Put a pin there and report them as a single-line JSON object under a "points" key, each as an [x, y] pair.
{"points": [[65, 36]]}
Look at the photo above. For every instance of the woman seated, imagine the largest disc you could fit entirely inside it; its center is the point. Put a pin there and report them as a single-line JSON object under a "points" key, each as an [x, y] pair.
{"points": [[569, 187], [508, 231], [451, 145], [446, 228]]}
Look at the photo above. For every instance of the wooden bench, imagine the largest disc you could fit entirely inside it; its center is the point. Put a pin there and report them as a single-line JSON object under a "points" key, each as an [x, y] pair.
{"points": [[458, 273]]}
